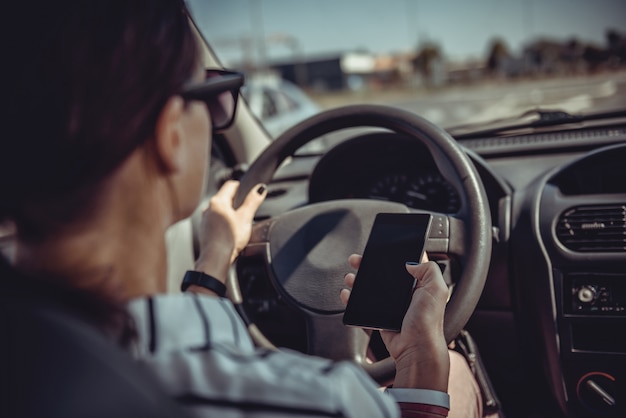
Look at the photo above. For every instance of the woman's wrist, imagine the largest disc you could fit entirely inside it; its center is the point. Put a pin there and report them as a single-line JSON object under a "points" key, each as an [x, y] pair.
{"points": [[427, 366], [214, 262]]}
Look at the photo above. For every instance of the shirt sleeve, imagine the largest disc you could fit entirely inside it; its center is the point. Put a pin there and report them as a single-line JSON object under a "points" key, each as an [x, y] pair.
{"points": [[421, 402], [200, 349]]}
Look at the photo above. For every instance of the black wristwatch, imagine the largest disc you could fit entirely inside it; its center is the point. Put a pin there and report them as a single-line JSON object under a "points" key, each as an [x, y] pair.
{"points": [[203, 280]]}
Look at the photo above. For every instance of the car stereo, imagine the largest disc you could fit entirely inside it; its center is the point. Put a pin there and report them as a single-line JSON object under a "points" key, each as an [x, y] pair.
{"points": [[595, 294]]}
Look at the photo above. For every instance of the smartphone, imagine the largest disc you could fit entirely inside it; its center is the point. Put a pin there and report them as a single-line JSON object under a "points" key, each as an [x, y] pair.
{"points": [[383, 288]]}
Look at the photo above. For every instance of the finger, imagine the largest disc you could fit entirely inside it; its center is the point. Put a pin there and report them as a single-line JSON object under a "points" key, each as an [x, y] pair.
{"points": [[253, 200], [354, 260], [224, 195], [348, 279], [228, 189], [425, 257], [344, 294]]}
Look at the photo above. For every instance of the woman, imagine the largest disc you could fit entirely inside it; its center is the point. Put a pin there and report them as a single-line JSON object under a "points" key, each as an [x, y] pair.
{"points": [[106, 145]]}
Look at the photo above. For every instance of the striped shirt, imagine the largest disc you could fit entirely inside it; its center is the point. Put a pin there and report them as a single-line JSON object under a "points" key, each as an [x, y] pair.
{"points": [[199, 348]]}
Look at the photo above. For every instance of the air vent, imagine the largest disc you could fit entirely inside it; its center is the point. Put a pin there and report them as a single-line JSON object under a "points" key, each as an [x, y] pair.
{"points": [[593, 228]]}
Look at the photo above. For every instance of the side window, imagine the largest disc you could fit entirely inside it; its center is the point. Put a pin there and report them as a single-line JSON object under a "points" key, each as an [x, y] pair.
{"points": [[287, 102], [269, 105]]}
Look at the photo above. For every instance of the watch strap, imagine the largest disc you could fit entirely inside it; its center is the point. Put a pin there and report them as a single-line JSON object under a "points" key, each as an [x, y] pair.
{"points": [[203, 280]]}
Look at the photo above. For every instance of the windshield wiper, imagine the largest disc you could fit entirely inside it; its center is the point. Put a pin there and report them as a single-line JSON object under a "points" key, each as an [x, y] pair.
{"points": [[536, 118]]}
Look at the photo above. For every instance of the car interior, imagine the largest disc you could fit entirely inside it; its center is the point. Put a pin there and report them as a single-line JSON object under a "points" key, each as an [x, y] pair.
{"points": [[530, 236], [529, 230]]}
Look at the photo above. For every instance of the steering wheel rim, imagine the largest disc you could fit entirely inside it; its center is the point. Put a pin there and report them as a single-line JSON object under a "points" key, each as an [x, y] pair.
{"points": [[474, 241]]}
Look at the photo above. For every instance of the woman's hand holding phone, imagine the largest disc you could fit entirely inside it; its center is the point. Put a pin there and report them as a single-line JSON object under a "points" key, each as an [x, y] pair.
{"points": [[419, 350]]}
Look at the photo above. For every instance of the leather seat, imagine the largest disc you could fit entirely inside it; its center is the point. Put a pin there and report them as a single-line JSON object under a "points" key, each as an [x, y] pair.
{"points": [[54, 365]]}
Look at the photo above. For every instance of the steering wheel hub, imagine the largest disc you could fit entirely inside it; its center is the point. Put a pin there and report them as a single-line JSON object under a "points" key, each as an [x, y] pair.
{"points": [[308, 251]]}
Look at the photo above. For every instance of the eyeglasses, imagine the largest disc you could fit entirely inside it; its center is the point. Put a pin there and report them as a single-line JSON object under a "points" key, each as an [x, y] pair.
{"points": [[219, 91]]}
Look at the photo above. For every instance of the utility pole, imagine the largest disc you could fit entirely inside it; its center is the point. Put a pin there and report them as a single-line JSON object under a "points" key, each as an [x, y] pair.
{"points": [[300, 69], [528, 14], [412, 13], [256, 16]]}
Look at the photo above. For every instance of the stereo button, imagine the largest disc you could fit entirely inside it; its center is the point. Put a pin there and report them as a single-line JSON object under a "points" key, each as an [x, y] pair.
{"points": [[586, 294]]}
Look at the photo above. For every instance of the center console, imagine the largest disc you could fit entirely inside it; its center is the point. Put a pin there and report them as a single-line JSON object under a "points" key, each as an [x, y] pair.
{"points": [[582, 226], [592, 332]]}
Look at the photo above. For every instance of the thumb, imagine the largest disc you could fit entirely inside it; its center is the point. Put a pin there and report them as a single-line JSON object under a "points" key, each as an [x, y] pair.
{"points": [[423, 272], [413, 268]]}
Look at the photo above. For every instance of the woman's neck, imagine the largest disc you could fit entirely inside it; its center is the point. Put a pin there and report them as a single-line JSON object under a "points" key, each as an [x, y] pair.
{"points": [[123, 263]]}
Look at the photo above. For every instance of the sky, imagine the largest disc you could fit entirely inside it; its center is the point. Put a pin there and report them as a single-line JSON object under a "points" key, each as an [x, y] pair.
{"points": [[463, 29]]}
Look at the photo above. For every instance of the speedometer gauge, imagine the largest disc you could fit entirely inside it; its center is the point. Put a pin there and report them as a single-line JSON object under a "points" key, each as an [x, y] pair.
{"points": [[428, 191], [432, 192], [390, 187]]}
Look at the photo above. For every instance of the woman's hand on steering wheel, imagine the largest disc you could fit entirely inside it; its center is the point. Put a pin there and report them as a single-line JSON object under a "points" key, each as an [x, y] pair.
{"points": [[224, 230]]}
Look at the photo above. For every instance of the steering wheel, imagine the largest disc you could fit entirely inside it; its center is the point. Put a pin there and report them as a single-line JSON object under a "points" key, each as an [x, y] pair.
{"points": [[306, 249]]}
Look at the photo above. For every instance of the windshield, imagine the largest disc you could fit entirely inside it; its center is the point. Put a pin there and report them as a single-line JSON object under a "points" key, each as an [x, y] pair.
{"points": [[452, 62]]}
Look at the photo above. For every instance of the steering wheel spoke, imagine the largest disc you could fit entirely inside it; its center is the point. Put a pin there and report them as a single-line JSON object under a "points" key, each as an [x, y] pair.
{"points": [[447, 235], [259, 239]]}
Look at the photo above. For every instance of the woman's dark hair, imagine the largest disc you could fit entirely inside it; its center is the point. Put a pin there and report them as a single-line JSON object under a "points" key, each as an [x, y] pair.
{"points": [[86, 82], [83, 85]]}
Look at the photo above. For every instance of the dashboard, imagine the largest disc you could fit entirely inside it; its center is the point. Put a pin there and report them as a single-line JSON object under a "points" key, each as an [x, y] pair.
{"points": [[556, 287]]}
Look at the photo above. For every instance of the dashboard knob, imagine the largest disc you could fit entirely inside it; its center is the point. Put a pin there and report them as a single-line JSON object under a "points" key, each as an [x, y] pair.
{"points": [[598, 392], [587, 294], [602, 394]]}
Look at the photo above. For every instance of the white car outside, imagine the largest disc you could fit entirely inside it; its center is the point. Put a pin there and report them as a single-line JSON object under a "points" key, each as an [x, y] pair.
{"points": [[279, 105]]}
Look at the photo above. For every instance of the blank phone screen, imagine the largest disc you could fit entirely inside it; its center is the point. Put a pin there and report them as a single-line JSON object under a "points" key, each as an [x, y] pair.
{"points": [[383, 288]]}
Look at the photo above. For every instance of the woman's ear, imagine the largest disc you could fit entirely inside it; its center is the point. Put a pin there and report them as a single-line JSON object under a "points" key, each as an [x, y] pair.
{"points": [[168, 135]]}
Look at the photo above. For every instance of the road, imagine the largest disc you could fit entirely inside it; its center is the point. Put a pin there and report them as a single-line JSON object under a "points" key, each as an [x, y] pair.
{"points": [[455, 105]]}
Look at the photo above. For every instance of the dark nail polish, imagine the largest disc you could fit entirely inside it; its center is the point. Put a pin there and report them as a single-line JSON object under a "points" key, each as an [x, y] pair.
{"points": [[412, 263], [261, 189]]}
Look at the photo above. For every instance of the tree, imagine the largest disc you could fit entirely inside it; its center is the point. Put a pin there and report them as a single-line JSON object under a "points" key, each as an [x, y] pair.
{"points": [[428, 53], [498, 54]]}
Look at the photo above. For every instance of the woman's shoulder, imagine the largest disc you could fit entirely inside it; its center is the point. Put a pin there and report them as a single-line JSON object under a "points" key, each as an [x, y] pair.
{"points": [[48, 343], [175, 321]]}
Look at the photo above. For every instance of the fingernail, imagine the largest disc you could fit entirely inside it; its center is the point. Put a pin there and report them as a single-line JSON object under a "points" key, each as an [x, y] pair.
{"points": [[412, 263], [261, 189]]}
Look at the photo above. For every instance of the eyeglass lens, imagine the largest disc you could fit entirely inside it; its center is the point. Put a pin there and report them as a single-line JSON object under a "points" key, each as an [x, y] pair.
{"points": [[222, 106]]}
